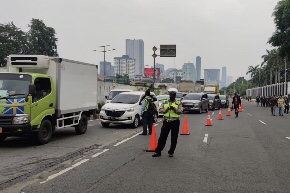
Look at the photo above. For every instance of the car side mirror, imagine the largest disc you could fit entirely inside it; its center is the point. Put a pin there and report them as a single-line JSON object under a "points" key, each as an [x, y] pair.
{"points": [[106, 97], [32, 89], [182, 98], [154, 99], [140, 103]]}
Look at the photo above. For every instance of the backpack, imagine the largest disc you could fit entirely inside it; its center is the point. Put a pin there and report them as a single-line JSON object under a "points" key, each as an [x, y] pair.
{"points": [[151, 107]]}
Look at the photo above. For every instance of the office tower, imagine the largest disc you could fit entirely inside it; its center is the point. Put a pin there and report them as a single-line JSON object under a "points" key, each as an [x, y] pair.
{"points": [[198, 68], [224, 77], [108, 68], [189, 72], [135, 50], [124, 65], [212, 76]]}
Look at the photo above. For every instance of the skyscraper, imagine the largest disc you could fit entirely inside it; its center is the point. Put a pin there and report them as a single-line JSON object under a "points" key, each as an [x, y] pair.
{"points": [[161, 66], [198, 68], [109, 71], [224, 77], [135, 50], [124, 65], [212, 76], [189, 72]]}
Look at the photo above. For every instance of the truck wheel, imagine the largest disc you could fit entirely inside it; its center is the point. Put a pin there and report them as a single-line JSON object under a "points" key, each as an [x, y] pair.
{"points": [[2, 137], [44, 133], [81, 128], [105, 124], [136, 122]]}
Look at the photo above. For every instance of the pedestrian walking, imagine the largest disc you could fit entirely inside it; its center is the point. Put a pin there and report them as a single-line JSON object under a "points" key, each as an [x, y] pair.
{"points": [[237, 103], [286, 110], [147, 115], [281, 105], [172, 109], [273, 104]]}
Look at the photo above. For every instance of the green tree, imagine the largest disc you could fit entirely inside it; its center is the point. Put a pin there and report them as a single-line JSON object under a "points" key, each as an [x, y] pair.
{"points": [[12, 41], [281, 37], [42, 39]]}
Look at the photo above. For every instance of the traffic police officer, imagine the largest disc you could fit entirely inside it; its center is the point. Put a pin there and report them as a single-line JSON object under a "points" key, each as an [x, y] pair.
{"points": [[172, 109]]}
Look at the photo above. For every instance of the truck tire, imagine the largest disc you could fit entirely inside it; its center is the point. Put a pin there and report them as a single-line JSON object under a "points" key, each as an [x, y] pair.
{"points": [[136, 122], [82, 127], [105, 124], [44, 133], [2, 137]]}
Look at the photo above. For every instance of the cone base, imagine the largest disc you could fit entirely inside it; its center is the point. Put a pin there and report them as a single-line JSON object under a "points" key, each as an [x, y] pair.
{"points": [[228, 115], [208, 125], [184, 133], [150, 150]]}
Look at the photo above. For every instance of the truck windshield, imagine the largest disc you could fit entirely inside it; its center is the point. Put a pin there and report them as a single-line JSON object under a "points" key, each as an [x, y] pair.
{"points": [[114, 93], [16, 85]]}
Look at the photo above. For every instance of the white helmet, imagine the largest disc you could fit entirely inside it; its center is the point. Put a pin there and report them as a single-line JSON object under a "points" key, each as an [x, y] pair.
{"points": [[172, 90]]}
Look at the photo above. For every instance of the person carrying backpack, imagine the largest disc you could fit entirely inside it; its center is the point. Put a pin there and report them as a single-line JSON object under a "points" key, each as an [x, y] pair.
{"points": [[147, 112]]}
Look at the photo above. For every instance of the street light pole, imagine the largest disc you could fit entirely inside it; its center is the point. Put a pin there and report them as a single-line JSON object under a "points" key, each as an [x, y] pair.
{"points": [[154, 56], [285, 84]]}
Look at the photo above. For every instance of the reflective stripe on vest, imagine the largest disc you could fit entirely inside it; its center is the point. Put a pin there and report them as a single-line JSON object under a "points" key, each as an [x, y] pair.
{"points": [[171, 114]]}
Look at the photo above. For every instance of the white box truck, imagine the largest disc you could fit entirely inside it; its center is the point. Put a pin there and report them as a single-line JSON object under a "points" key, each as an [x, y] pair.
{"points": [[40, 94]]}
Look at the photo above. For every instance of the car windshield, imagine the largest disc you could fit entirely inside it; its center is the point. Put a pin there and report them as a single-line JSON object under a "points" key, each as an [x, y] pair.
{"points": [[114, 93], [210, 97], [16, 85], [192, 97], [222, 97], [126, 99], [179, 95], [161, 98]]}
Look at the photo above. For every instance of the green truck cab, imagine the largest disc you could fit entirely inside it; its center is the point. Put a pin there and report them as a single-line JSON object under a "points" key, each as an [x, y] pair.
{"points": [[36, 96]]}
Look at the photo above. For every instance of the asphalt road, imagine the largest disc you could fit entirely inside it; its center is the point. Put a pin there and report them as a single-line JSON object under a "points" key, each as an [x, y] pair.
{"points": [[245, 154]]}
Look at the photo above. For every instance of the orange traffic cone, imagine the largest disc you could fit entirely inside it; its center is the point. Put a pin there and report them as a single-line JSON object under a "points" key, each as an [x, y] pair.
{"points": [[242, 105], [240, 109], [220, 116], [153, 140], [185, 127], [229, 112], [208, 120]]}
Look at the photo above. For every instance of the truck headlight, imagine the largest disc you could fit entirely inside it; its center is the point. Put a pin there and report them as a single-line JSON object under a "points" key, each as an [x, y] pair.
{"points": [[130, 109], [21, 119]]}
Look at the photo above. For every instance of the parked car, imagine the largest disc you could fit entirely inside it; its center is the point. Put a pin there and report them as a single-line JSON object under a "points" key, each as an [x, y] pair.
{"points": [[160, 99], [180, 95], [214, 101], [224, 101], [125, 108], [114, 93], [195, 102]]}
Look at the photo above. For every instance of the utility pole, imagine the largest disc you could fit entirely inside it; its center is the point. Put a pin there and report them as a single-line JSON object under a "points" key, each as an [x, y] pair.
{"points": [[154, 56]]}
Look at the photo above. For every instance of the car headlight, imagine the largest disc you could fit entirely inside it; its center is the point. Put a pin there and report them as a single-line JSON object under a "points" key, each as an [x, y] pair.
{"points": [[21, 119], [131, 109]]}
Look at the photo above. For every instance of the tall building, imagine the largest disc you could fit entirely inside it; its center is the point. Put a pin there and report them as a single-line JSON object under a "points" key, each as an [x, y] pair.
{"points": [[224, 77], [161, 66], [189, 72], [211, 76], [109, 69], [198, 68], [229, 80], [135, 50], [124, 65]]}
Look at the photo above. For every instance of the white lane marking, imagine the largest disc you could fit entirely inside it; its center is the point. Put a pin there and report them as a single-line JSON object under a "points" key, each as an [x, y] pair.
{"points": [[127, 139], [249, 114], [287, 137], [212, 113], [205, 138], [262, 122], [64, 171], [99, 153], [155, 124]]}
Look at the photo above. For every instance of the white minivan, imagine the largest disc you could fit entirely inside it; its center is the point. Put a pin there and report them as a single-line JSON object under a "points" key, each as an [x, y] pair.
{"points": [[125, 108], [115, 92]]}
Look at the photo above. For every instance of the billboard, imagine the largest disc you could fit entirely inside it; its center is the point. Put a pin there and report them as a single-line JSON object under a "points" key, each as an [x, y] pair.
{"points": [[149, 72], [167, 51]]}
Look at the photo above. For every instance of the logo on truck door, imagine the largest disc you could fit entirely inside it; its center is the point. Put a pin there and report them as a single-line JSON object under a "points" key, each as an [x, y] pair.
{"points": [[14, 106]]}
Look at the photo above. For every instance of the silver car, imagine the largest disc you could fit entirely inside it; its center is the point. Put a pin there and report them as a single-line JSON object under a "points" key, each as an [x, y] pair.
{"points": [[195, 102]]}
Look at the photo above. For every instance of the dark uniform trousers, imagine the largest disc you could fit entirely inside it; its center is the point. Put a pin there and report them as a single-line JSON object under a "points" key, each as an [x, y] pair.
{"points": [[172, 126]]}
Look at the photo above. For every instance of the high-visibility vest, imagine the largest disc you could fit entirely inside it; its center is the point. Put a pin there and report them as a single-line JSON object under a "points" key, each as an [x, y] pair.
{"points": [[147, 100], [171, 114]]}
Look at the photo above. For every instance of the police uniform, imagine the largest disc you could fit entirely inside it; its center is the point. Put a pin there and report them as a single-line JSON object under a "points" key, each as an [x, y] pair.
{"points": [[171, 123], [147, 118]]}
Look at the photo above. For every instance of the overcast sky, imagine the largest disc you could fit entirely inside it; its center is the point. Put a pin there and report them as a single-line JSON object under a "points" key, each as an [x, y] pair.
{"points": [[231, 33]]}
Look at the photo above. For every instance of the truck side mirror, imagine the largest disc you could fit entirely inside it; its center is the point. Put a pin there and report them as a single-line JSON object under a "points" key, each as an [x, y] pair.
{"points": [[32, 89]]}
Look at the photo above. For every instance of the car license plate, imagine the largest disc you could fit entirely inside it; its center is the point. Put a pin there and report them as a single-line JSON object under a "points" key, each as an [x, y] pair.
{"points": [[1, 130]]}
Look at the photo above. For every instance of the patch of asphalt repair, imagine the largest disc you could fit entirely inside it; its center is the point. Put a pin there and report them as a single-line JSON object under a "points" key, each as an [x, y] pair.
{"points": [[45, 166]]}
